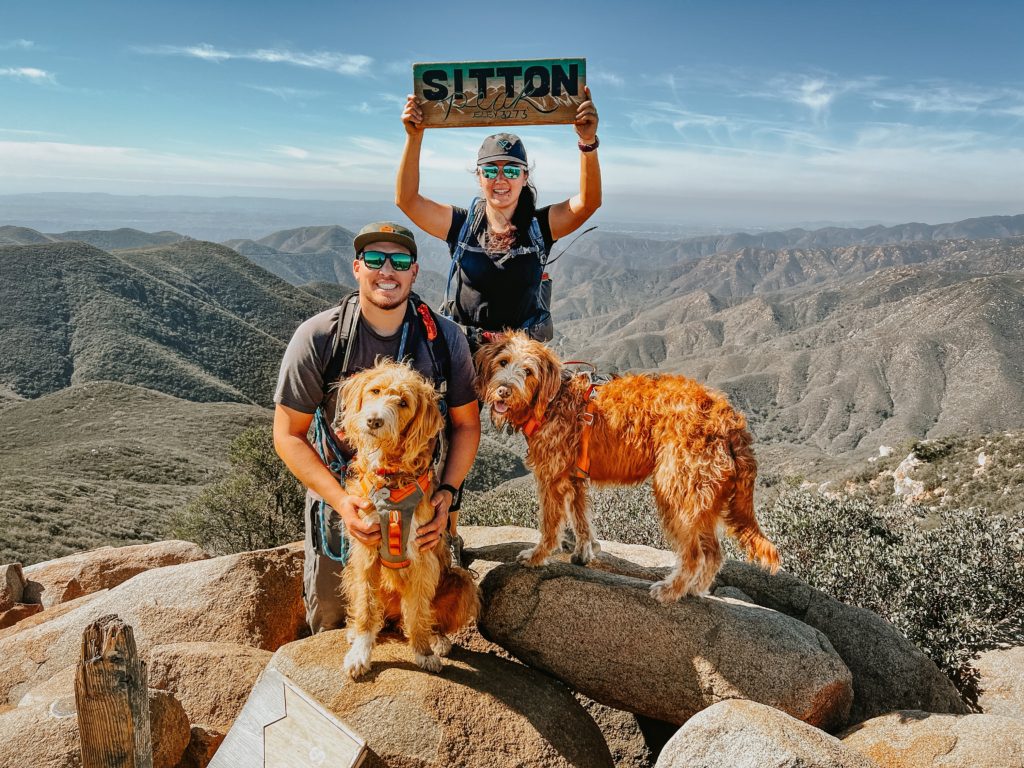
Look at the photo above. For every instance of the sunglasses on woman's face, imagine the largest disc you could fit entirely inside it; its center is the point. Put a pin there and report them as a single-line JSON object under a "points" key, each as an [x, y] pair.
{"points": [[510, 172], [400, 262]]}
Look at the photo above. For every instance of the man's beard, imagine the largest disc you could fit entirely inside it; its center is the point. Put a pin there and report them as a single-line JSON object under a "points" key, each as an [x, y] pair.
{"points": [[388, 303]]}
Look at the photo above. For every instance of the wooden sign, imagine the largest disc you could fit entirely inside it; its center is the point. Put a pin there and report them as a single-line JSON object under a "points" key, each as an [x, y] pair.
{"points": [[492, 93], [282, 727]]}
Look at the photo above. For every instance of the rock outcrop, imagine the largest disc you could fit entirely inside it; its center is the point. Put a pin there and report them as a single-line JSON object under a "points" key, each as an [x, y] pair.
{"points": [[479, 712], [743, 734], [253, 598], [57, 581], [909, 739], [1002, 682], [889, 672], [605, 636], [211, 680], [42, 731]]}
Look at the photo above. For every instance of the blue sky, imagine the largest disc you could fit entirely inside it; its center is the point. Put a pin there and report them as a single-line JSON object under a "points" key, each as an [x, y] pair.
{"points": [[710, 112]]}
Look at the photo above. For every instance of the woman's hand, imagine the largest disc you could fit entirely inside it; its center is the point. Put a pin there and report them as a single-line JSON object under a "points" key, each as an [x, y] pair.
{"points": [[412, 116], [586, 119]]}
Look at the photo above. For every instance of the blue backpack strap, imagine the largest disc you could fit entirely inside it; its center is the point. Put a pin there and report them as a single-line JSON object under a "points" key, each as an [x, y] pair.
{"points": [[537, 238], [460, 248], [324, 441]]}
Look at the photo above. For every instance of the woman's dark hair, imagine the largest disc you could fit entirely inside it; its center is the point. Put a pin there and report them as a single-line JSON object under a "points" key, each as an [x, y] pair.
{"points": [[525, 209]]}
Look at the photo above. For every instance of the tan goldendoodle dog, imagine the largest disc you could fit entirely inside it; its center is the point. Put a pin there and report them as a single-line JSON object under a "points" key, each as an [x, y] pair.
{"points": [[392, 420], [687, 438]]}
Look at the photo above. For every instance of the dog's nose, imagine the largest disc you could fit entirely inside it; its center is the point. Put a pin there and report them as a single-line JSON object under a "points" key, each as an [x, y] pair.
{"points": [[503, 392], [374, 422]]}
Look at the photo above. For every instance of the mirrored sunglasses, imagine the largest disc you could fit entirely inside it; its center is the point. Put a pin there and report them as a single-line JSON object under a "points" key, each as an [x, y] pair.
{"points": [[400, 262], [511, 172]]}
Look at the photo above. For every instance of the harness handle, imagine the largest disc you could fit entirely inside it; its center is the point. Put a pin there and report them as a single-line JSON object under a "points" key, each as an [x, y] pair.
{"points": [[581, 234]]}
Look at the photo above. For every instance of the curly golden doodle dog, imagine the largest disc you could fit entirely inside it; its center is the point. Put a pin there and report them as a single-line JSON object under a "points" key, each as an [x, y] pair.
{"points": [[687, 438], [392, 420]]}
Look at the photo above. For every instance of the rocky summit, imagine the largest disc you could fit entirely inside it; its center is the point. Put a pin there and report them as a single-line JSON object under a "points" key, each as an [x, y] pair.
{"points": [[569, 666]]}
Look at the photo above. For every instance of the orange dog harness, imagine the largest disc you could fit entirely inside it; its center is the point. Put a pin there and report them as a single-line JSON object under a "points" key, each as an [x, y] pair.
{"points": [[582, 468], [396, 508]]}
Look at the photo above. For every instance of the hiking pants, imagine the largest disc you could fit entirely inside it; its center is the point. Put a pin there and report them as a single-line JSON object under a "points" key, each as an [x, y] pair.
{"points": [[321, 576]]}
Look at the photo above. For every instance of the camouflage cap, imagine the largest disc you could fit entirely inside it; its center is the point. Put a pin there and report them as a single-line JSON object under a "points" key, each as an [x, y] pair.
{"points": [[384, 231]]}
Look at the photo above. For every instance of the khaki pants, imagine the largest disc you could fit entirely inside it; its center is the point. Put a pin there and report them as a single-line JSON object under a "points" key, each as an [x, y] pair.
{"points": [[321, 576]]}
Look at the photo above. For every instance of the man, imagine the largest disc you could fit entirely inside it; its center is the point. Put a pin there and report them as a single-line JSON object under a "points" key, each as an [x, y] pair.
{"points": [[383, 321]]}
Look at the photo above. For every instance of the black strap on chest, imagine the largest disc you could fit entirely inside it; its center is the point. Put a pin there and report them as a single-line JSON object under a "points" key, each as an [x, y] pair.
{"points": [[419, 319]]}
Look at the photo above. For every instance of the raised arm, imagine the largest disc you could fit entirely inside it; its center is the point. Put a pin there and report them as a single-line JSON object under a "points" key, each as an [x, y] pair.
{"points": [[569, 215], [433, 218]]}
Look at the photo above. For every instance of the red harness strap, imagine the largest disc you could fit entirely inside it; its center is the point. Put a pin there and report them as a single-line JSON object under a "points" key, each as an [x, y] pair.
{"points": [[582, 468]]}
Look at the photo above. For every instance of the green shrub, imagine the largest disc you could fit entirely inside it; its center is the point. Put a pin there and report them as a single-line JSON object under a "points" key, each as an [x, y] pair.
{"points": [[930, 450], [258, 505], [951, 588]]}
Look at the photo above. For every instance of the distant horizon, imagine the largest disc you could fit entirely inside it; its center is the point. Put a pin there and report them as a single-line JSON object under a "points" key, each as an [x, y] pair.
{"points": [[739, 112], [244, 216]]}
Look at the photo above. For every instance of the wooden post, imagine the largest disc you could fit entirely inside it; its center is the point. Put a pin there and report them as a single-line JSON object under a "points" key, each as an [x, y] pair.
{"points": [[112, 698]]}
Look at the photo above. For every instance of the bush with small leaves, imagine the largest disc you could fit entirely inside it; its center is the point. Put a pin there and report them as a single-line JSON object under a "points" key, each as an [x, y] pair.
{"points": [[258, 505], [953, 586]]}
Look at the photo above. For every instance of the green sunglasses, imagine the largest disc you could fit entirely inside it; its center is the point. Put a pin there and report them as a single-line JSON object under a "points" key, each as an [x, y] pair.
{"points": [[509, 171], [400, 262]]}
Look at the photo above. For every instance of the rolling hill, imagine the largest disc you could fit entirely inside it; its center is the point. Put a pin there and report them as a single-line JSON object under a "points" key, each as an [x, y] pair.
{"points": [[194, 320], [100, 238], [838, 349], [645, 253], [106, 463]]}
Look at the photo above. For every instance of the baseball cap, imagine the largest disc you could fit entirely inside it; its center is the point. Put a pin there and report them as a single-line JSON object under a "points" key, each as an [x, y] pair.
{"points": [[502, 146], [384, 231]]}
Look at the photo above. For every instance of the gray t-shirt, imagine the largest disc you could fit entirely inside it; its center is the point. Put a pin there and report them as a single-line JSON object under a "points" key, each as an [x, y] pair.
{"points": [[301, 384]]}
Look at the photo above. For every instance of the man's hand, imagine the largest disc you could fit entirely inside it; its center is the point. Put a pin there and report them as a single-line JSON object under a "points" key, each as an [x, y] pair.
{"points": [[586, 119], [428, 535], [367, 532], [412, 116]]}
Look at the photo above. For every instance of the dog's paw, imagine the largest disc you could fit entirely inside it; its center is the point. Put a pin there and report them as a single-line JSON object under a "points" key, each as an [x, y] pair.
{"points": [[595, 546], [584, 553], [357, 663], [532, 557], [663, 592], [430, 662], [441, 645]]}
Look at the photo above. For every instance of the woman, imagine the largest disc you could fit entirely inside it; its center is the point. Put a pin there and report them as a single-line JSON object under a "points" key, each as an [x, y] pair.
{"points": [[498, 254]]}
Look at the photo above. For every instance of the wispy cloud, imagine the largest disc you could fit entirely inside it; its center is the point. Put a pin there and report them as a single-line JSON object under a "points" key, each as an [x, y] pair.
{"points": [[31, 74], [292, 152], [816, 92], [10, 45], [287, 94], [954, 98], [603, 77], [24, 132], [329, 61]]}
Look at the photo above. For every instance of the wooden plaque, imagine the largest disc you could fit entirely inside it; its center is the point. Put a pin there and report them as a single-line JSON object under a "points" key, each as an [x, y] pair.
{"points": [[493, 93], [282, 727]]}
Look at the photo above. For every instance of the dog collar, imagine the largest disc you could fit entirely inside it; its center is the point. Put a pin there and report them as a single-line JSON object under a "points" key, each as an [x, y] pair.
{"points": [[532, 425]]}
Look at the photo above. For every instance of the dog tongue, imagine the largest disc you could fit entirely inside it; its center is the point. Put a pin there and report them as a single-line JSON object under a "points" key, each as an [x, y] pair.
{"points": [[500, 407]]}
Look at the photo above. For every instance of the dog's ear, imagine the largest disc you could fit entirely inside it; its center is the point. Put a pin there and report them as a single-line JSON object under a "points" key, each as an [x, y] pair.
{"points": [[424, 424], [549, 379], [483, 362], [350, 399]]}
